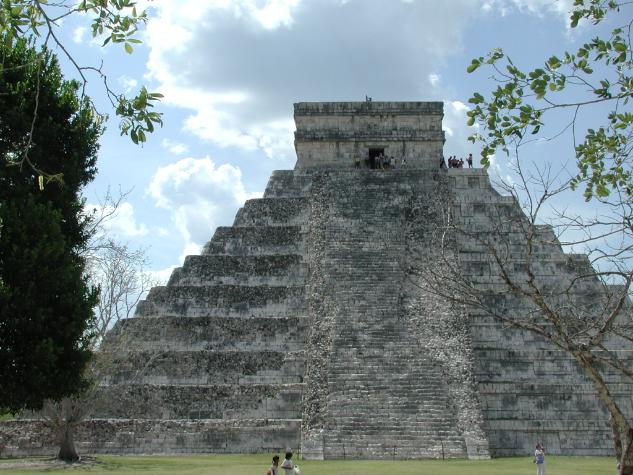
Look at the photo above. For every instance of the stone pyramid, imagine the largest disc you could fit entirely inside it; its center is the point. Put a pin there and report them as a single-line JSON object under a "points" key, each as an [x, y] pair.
{"points": [[299, 326]]}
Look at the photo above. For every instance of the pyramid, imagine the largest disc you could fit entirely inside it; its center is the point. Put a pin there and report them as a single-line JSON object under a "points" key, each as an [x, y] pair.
{"points": [[301, 325]]}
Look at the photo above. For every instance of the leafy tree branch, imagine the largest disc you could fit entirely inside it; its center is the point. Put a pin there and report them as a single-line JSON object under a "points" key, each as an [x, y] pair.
{"points": [[597, 73], [114, 21]]}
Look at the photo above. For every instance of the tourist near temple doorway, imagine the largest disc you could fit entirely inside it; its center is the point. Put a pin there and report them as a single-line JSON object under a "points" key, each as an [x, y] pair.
{"points": [[374, 153]]}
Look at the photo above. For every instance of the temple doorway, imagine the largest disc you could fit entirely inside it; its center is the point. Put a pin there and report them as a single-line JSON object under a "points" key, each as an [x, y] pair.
{"points": [[374, 153]]}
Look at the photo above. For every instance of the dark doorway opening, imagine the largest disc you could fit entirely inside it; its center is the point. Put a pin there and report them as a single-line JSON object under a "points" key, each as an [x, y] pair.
{"points": [[374, 153]]}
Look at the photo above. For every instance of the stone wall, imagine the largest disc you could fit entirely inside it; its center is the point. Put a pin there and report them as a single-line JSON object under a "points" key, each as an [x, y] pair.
{"points": [[214, 361], [331, 134], [147, 437]]}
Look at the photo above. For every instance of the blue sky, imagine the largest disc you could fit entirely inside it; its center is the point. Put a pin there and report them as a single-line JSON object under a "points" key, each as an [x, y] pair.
{"points": [[231, 70]]}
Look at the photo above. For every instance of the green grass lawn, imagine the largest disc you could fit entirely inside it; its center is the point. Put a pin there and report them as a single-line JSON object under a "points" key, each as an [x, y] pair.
{"points": [[258, 464]]}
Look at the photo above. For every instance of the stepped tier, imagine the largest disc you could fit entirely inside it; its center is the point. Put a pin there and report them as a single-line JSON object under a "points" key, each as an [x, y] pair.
{"points": [[240, 270], [256, 240], [205, 367], [219, 401], [209, 333], [273, 212], [146, 437], [223, 300], [288, 184]]}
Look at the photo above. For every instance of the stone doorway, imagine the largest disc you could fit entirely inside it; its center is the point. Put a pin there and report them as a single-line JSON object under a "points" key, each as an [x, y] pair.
{"points": [[374, 153]]}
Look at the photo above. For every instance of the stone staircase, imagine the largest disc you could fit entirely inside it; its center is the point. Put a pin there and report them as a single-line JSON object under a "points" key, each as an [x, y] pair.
{"points": [[221, 345], [386, 397]]}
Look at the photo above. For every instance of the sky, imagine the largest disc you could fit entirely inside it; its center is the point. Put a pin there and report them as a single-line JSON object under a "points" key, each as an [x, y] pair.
{"points": [[230, 71]]}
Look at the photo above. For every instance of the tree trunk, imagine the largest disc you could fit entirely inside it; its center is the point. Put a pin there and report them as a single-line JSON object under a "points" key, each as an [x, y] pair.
{"points": [[66, 429], [67, 450], [626, 459], [622, 430]]}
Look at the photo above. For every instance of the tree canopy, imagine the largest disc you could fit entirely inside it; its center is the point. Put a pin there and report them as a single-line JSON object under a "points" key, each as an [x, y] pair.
{"points": [[45, 301], [112, 22], [598, 74]]}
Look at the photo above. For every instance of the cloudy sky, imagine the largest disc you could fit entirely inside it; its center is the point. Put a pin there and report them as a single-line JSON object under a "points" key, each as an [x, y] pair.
{"points": [[231, 70]]}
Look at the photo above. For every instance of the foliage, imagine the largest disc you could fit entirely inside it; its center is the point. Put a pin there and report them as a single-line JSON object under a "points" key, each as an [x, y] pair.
{"points": [[599, 72], [112, 21], [44, 309], [46, 303]]}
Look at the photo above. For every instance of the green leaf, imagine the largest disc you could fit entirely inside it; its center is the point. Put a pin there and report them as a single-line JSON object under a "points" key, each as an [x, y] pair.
{"points": [[473, 66], [128, 48], [619, 47], [476, 99]]}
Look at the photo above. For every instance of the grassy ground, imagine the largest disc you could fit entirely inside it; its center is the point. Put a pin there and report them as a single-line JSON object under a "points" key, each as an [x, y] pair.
{"points": [[258, 464]]}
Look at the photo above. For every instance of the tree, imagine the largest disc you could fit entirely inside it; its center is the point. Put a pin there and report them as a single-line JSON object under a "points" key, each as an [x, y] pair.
{"points": [[112, 21], [119, 274], [46, 301], [597, 79]]}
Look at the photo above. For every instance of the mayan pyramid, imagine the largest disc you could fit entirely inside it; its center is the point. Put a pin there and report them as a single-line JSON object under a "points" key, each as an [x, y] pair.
{"points": [[298, 326]]}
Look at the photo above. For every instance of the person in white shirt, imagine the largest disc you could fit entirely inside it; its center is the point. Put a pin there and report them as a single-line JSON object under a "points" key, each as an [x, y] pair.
{"points": [[539, 459], [288, 465]]}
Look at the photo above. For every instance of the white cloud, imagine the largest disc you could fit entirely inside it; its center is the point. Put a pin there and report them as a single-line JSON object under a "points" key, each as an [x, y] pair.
{"points": [[457, 131], [78, 34], [238, 66], [176, 148], [434, 79], [274, 13], [121, 222], [200, 196], [127, 83], [539, 8]]}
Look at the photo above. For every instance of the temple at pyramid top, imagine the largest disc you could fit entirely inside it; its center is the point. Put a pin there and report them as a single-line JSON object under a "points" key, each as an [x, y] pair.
{"points": [[337, 134]]}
